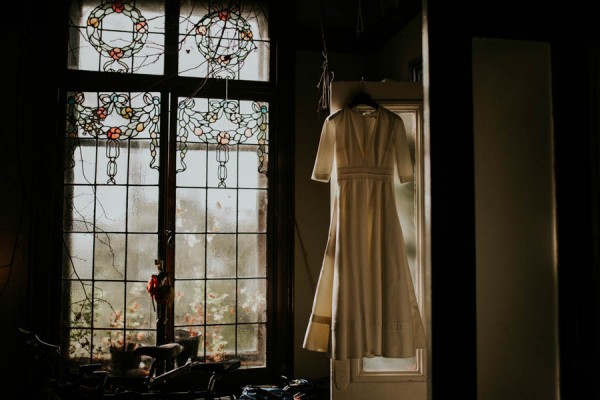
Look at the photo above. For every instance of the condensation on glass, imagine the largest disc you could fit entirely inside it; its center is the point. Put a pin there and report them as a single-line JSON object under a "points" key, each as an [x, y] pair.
{"points": [[221, 292]]}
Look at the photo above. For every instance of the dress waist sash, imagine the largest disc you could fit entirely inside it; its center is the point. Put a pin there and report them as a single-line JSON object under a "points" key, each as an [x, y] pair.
{"points": [[364, 172]]}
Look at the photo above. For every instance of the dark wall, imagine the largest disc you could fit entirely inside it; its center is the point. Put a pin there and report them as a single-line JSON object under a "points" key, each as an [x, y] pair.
{"points": [[28, 159], [572, 35]]}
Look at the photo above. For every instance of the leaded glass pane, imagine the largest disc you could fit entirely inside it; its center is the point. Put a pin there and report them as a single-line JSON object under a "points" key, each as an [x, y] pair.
{"points": [[85, 159], [109, 304], [111, 214], [78, 208], [252, 210], [252, 301], [140, 172], [78, 259], [224, 172], [252, 342], [140, 313], [252, 255], [220, 301], [191, 210], [109, 256], [142, 213], [221, 251], [189, 256], [189, 303], [250, 175], [222, 210], [141, 253], [117, 36], [194, 175], [77, 310], [220, 342], [80, 344]]}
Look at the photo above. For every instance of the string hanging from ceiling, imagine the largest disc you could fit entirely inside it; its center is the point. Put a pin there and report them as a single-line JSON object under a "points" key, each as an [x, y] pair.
{"points": [[326, 74]]}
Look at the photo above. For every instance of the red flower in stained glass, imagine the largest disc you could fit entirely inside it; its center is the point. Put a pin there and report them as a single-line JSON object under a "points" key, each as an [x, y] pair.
{"points": [[141, 27], [118, 6], [223, 138], [116, 53], [114, 133], [101, 112], [224, 15]]}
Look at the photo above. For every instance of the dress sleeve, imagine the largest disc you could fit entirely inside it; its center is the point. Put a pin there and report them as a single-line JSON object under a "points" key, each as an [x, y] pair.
{"points": [[403, 159], [325, 153]]}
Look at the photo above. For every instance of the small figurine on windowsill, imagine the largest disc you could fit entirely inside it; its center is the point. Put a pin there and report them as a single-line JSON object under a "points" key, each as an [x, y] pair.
{"points": [[159, 286]]}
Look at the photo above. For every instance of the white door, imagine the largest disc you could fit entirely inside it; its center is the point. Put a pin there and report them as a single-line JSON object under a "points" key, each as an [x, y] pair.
{"points": [[385, 378]]}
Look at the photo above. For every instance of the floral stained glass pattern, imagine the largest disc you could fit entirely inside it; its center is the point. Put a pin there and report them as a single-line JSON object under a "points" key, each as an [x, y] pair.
{"points": [[216, 39], [225, 125], [225, 39], [114, 120], [113, 52]]}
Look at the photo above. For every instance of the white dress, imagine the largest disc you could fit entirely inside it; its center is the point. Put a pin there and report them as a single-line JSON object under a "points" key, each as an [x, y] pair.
{"points": [[365, 303]]}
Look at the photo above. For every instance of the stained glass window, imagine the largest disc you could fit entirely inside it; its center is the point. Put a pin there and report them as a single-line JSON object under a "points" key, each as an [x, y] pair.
{"points": [[157, 169], [216, 39]]}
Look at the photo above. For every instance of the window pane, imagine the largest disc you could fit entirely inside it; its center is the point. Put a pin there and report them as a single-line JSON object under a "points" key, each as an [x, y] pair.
{"points": [[220, 342], [222, 210], [109, 256], [252, 341], [117, 36], [252, 255], [252, 300], [141, 253], [221, 173], [140, 313], [222, 41], [221, 251], [78, 257], [108, 267], [140, 162], [110, 208], [253, 211], [142, 213], [78, 208], [189, 256], [189, 304], [220, 301], [191, 210]]}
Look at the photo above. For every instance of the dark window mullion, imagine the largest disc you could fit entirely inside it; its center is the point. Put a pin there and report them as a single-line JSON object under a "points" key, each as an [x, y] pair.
{"points": [[167, 184]]}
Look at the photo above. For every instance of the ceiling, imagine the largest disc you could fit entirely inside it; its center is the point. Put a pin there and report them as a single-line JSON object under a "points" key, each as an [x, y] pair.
{"points": [[351, 26]]}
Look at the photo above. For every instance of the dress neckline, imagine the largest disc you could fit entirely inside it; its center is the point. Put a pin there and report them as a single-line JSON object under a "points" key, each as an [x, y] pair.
{"points": [[367, 112]]}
